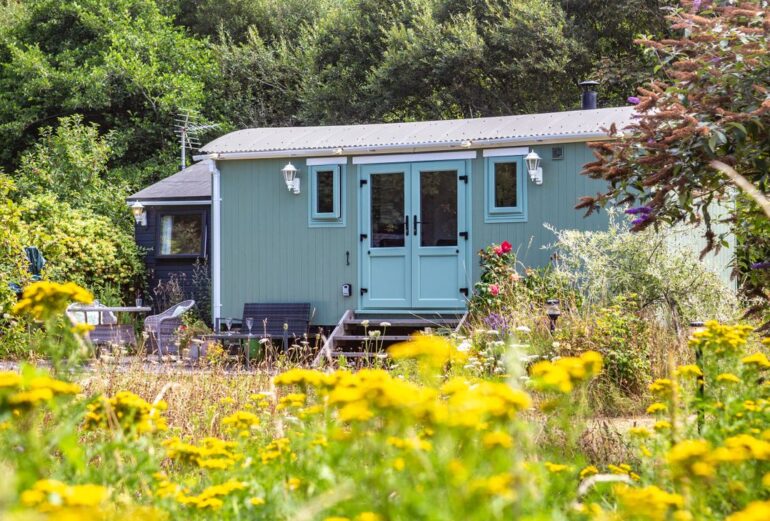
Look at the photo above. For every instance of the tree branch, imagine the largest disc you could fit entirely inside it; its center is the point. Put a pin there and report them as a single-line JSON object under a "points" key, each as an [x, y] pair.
{"points": [[744, 184]]}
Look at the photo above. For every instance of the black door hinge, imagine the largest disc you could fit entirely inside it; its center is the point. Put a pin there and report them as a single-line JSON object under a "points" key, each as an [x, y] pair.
{"points": [[362, 182], [364, 290], [363, 237], [464, 235], [464, 291], [463, 178]]}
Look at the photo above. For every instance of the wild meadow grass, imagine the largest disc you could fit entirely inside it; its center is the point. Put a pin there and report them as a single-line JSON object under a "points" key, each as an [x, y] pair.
{"points": [[434, 436]]}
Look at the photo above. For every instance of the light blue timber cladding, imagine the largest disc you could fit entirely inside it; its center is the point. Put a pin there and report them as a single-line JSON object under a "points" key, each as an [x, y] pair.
{"points": [[269, 254], [553, 202]]}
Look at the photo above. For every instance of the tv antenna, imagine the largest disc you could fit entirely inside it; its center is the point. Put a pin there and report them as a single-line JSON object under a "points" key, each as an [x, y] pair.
{"points": [[189, 130]]}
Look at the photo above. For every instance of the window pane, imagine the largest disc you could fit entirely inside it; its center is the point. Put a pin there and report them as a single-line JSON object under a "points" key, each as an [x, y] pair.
{"points": [[181, 234], [324, 190], [438, 208], [387, 210], [505, 185]]}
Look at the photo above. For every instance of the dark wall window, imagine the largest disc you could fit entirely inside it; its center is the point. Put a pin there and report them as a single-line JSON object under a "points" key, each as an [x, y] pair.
{"points": [[181, 234]]}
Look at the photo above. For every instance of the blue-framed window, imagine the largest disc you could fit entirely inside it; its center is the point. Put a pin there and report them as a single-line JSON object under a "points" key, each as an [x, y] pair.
{"points": [[506, 189], [326, 195]]}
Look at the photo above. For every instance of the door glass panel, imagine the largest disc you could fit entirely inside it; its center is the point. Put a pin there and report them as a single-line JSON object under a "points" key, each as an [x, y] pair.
{"points": [[438, 208], [387, 210], [505, 185], [324, 191]]}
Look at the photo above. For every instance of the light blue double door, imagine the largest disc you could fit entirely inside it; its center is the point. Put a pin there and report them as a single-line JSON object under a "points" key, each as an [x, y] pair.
{"points": [[414, 236]]}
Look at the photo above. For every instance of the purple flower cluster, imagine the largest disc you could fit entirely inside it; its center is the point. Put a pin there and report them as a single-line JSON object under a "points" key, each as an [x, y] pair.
{"points": [[499, 323], [633, 100], [764, 265], [642, 214]]}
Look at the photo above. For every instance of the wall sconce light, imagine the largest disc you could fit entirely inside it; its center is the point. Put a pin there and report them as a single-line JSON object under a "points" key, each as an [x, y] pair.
{"points": [[534, 168], [553, 311], [140, 215], [290, 176]]}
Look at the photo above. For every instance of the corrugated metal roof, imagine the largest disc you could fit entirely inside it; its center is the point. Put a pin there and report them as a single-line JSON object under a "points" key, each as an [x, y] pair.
{"points": [[192, 183], [578, 124]]}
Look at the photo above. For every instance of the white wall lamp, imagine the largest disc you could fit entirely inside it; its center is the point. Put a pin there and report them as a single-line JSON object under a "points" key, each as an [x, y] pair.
{"points": [[534, 168], [290, 176], [140, 215]]}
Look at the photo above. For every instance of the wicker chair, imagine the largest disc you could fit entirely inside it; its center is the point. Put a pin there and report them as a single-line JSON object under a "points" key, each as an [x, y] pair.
{"points": [[161, 328]]}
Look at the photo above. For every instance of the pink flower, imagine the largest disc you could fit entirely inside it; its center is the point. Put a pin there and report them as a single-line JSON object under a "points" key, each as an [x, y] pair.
{"points": [[506, 247], [499, 250], [494, 289]]}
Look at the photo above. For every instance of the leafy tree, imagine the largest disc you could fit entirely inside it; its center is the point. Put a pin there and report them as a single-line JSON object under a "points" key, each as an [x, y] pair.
{"points": [[120, 63], [494, 58], [606, 30], [709, 103]]}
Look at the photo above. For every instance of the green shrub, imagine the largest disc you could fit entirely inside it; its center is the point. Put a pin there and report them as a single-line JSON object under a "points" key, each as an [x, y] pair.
{"points": [[668, 280]]}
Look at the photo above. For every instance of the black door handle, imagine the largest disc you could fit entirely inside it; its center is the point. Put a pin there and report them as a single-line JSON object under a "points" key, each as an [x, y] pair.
{"points": [[406, 225], [415, 222]]}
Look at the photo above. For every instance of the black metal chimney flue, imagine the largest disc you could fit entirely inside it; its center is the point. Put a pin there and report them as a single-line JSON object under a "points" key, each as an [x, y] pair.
{"points": [[589, 94]]}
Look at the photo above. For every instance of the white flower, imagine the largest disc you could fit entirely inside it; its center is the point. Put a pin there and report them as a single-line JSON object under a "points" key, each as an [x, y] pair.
{"points": [[524, 329], [384, 324], [464, 346], [374, 334], [365, 323]]}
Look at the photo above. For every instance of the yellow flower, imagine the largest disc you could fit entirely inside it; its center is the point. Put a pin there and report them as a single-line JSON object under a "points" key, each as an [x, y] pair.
{"points": [[662, 387], [688, 370], [293, 483], [43, 300], [563, 374], [81, 328], [434, 351], [657, 407], [368, 516], [240, 420], [497, 439], [399, 464], [758, 360], [256, 501], [728, 378], [556, 468], [639, 432], [49, 495], [662, 425], [589, 471], [126, 411], [755, 511], [721, 339], [653, 501], [691, 457], [9, 379]]}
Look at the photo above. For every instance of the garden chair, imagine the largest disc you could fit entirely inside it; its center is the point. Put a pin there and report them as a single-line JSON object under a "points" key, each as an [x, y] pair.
{"points": [[161, 329]]}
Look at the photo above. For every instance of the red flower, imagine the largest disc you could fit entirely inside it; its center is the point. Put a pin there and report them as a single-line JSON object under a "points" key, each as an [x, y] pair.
{"points": [[494, 289], [506, 247], [499, 250]]}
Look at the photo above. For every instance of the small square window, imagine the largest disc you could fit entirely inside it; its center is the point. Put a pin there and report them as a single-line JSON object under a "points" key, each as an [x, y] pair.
{"points": [[557, 153], [326, 195], [181, 235], [505, 189]]}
